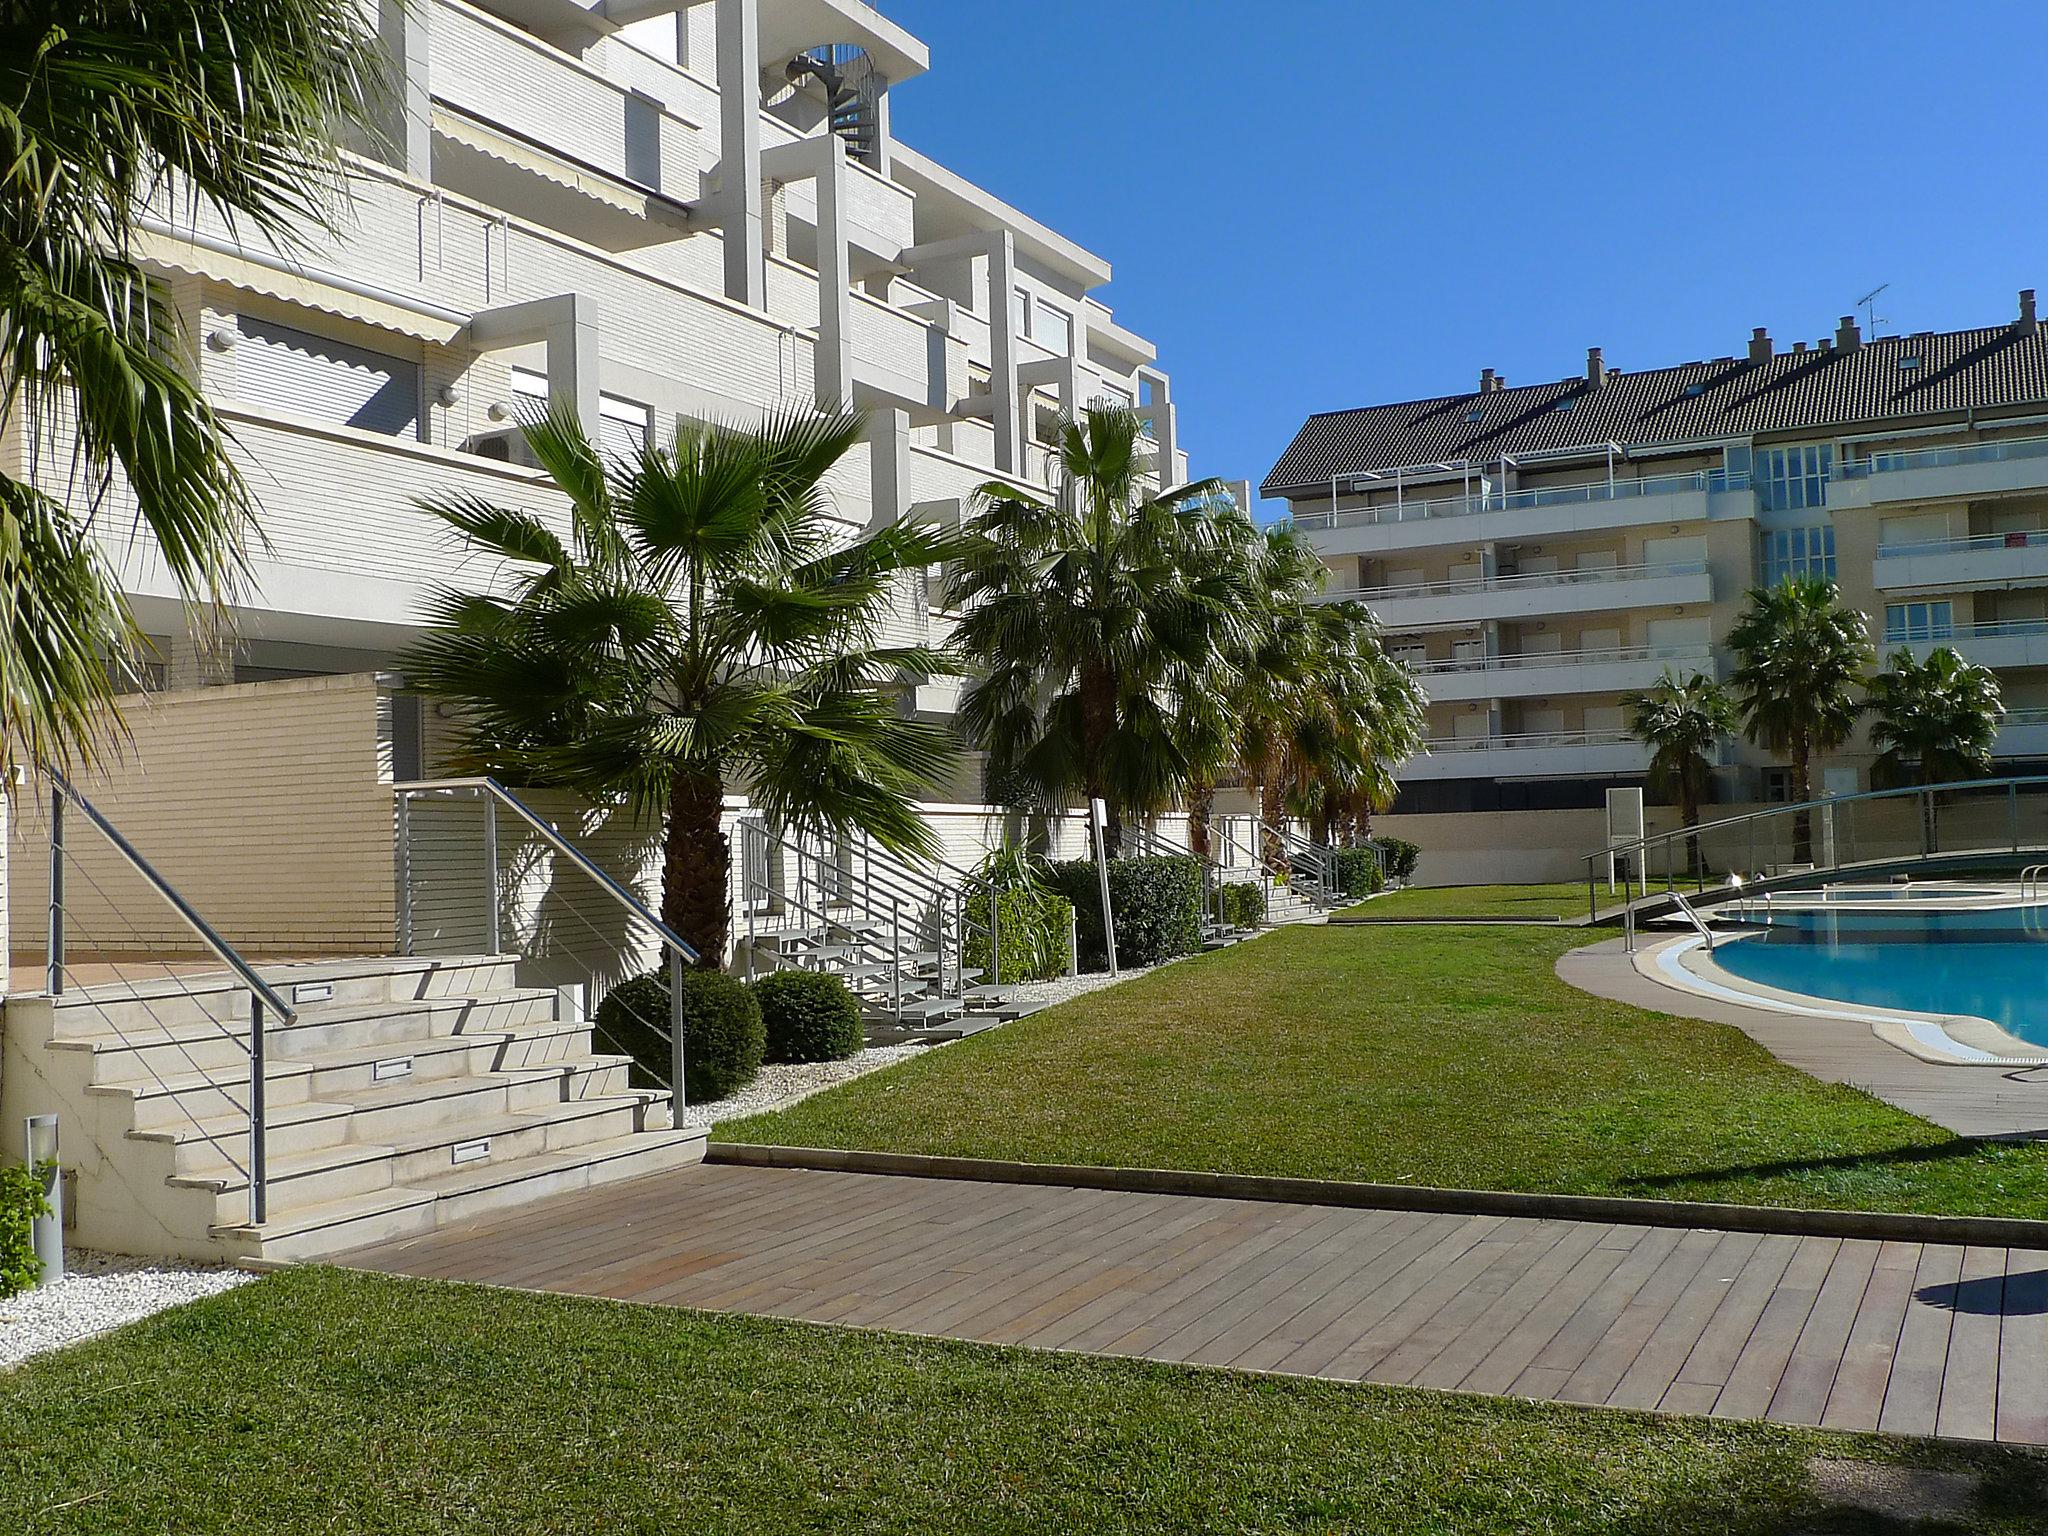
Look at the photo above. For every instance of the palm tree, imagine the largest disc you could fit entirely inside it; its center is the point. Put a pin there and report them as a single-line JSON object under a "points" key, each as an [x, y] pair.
{"points": [[1682, 722], [1802, 655], [1088, 619], [705, 627], [237, 105], [1932, 721]]}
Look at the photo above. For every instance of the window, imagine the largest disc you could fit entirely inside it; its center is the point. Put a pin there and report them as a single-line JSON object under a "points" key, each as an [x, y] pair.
{"points": [[281, 368], [1020, 310], [643, 140], [622, 426], [1788, 479], [1918, 621], [1777, 786], [529, 389], [1053, 329], [1789, 552], [1113, 398]]}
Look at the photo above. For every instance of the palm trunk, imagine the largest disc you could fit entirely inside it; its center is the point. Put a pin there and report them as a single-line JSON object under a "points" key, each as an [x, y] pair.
{"points": [[1098, 723], [1689, 815], [1802, 791], [1320, 822], [1201, 806], [696, 868], [1274, 851]]}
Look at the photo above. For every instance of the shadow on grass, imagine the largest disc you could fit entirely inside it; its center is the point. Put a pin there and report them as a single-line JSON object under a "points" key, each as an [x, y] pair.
{"points": [[1960, 1151]]}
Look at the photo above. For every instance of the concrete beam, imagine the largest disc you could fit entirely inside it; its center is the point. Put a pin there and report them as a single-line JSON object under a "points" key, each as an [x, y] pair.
{"points": [[407, 109], [737, 207], [567, 326], [822, 161]]}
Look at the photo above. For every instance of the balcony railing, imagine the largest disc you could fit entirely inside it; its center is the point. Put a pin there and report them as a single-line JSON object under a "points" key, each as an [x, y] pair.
{"points": [[1513, 501], [1943, 458], [1941, 634], [1534, 581], [1624, 653], [2019, 538], [1531, 740], [2013, 717]]}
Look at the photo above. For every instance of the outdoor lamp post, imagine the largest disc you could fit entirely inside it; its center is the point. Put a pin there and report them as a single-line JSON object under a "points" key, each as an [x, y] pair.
{"points": [[46, 1232]]}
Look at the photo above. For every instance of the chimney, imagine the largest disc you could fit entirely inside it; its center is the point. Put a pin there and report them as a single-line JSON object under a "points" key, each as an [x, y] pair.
{"points": [[1847, 337], [1596, 367], [1486, 381], [2028, 324], [1798, 346], [1760, 345]]}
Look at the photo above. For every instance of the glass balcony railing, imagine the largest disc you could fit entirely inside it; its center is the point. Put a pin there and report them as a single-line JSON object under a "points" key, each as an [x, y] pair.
{"points": [[1942, 634], [1523, 583], [1697, 655], [2018, 538], [1943, 458], [1512, 501], [1532, 740]]}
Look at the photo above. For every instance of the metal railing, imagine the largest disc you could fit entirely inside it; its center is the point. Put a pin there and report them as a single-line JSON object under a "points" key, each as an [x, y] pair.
{"points": [[1524, 582], [1997, 818], [1530, 740], [1942, 634], [1537, 659], [2018, 538], [1943, 458], [1511, 501], [602, 968], [264, 1001]]}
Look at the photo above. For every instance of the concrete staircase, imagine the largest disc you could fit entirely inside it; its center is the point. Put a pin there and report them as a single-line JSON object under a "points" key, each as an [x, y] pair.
{"points": [[408, 1094], [905, 994]]}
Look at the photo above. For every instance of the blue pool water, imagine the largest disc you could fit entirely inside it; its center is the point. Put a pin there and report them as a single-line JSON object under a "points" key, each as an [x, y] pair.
{"points": [[1981, 963]]}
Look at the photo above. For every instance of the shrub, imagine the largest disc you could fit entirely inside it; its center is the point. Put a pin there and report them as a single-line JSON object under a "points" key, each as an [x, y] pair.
{"points": [[809, 1016], [1241, 905], [1158, 905], [723, 1037], [1358, 871], [21, 1202], [1400, 856], [1033, 932]]}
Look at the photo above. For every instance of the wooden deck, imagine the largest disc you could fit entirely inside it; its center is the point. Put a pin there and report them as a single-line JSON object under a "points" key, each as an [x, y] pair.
{"points": [[1905, 1337]]}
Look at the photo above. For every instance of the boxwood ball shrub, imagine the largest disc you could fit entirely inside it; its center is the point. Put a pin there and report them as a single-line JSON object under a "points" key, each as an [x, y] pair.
{"points": [[723, 1036], [21, 1202], [1358, 871], [1241, 905], [809, 1016], [1158, 905]]}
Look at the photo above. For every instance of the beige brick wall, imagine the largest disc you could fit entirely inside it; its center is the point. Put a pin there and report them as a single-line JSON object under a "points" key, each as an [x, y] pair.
{"points": [[267, 805]]}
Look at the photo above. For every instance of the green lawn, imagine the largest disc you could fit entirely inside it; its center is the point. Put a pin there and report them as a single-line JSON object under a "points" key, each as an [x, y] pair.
{"points": [[1565, 900], [321, 1401], [1444, 1056]]}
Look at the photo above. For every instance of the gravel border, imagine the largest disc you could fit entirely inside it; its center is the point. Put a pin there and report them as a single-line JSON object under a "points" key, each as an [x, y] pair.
{"points": [[780, 1085], [100, 1291]]}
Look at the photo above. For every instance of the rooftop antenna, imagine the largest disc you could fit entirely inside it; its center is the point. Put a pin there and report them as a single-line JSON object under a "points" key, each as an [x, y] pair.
{"points": [[1868, 304]]}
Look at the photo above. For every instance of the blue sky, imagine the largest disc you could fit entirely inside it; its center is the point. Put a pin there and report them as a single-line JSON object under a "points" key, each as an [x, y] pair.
{"points": [[1319, 204]]}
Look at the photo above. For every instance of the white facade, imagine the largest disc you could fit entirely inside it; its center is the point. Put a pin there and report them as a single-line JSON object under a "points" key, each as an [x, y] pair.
{"points": [[641, 208]]}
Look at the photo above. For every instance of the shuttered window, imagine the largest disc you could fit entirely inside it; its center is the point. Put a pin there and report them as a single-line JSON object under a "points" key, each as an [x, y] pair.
{"points": [[622, 426], [280, 368]]}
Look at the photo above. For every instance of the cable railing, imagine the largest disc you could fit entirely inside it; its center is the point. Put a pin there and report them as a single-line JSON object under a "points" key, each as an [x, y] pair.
{"points": [[1996, 819], [528, 910], [266, 1006]]}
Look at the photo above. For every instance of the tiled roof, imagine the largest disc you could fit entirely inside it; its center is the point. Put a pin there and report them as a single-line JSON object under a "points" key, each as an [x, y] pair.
{"points": [[1993, 368]]}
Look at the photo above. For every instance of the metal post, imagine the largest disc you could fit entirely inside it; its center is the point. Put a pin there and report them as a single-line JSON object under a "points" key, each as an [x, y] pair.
{"points": [[259, 1174], [2012, 812], [1073, 940], [896, 948], [53, 981], [1098, 818], [679, 1042], [1628, 929], [46, 1232], [490, 873], [995, 935], [404, 833]]}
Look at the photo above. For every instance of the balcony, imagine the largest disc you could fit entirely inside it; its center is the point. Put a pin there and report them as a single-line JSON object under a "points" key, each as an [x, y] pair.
{"points": [[2018, 558], [1622, 670], [1965, 471], [1543, 512], [1472, 599], [2010, 643], [2022, 733], [1542, 755]]}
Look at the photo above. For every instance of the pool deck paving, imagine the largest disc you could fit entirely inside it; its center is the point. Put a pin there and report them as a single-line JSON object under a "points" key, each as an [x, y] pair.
{"points": [[1896, 1336], [1989, 1100]]}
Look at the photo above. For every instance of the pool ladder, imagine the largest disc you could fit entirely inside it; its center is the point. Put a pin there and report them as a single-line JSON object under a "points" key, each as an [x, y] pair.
{"points": [[2031, 893], [1628, 921]]}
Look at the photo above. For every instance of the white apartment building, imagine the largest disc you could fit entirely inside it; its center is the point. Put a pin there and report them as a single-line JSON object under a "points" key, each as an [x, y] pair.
{"points": [[1537, 552], [658, 210]]}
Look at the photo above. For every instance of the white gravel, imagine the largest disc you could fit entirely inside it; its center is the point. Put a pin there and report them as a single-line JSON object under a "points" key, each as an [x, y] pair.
{"points": [[1060, 988], [780, 1085], [101, 1291]]}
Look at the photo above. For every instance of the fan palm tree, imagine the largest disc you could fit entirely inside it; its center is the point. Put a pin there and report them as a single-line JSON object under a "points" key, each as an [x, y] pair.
{"points": [[1802, 655], [1682, 721], [1932, 721], [1087, 620], [705, 627], [238, 105]]}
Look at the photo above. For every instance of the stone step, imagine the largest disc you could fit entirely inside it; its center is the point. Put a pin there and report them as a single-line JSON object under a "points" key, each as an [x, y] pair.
{"points": [[331, 984], [460, 1194]]}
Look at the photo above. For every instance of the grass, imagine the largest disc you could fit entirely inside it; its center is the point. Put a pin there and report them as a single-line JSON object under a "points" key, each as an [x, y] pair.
{"points": [[1442, 1056], [323, 1401], [1566, 900]]}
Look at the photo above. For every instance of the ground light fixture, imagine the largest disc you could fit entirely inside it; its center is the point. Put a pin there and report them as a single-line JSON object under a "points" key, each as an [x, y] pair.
{"points": [[46, 1232]]}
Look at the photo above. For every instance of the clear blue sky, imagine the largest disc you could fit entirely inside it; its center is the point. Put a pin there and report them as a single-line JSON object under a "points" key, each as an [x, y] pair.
{"points": [[1325, 204]]}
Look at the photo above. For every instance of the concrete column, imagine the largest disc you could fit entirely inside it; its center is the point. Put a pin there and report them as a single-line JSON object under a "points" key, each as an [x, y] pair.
{"points": [[567, 326], [407, 115], [1165, 428], [888, 467], [739, 165], [833, 368], [884, 144], [1002, 325]]}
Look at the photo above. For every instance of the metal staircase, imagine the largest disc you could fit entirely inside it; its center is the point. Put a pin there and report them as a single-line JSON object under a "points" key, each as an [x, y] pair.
{"points": [[853, 92]]}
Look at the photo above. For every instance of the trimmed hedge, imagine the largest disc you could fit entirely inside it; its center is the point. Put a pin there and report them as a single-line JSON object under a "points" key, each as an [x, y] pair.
{"points": [[1358, 872], [1241, 905], [1033, 929], [21, 1202], [809, 1016], [1400, 856], [723, 1036], [1158, 905]]}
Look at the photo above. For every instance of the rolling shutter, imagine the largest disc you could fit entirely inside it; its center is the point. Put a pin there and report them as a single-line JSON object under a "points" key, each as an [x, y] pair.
{"points": [[284, 369]]}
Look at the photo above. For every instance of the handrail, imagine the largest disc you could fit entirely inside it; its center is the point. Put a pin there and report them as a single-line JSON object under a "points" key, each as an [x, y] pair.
{"points": [[1693, 917], [261, 994]]}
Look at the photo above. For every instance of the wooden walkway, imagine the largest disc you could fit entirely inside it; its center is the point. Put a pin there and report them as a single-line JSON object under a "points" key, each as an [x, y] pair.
{"points": [[1856, 1335]]}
